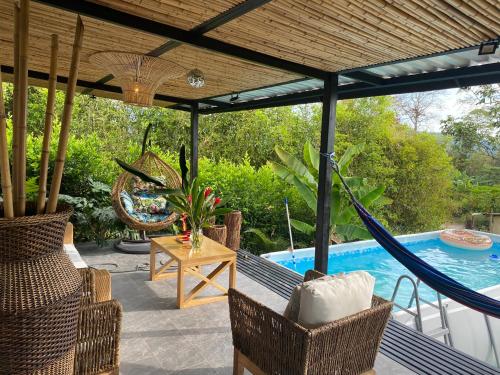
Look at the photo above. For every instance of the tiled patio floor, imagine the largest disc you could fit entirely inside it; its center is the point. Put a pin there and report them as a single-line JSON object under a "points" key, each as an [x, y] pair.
{"points": [[157, 338]]}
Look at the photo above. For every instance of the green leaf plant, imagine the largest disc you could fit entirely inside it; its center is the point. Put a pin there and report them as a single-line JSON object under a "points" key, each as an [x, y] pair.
{"points": [[303, 174]]}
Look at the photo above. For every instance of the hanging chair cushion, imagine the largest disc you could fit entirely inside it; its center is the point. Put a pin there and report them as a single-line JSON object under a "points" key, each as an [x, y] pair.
{"points": [[139, 186], [145, 207], [150, 203]]}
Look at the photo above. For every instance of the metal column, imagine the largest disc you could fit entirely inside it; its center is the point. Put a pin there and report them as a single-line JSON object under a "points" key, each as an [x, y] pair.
{"points": [[325, 173], [194, 140]]}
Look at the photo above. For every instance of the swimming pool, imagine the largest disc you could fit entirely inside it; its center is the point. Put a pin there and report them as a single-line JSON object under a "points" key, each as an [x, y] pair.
{"points": [[472, 268]]}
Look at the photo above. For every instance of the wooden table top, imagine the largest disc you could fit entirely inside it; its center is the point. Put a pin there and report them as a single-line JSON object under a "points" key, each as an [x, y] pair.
{"points": [[210, 250]]}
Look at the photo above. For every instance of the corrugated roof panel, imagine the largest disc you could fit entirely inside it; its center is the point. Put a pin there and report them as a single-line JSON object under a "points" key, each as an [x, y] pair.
{"points": [[452, 60]]}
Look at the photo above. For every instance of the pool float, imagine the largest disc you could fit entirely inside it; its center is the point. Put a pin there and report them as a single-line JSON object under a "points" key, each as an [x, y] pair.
{"points": [[465, 239], [495, 257]]}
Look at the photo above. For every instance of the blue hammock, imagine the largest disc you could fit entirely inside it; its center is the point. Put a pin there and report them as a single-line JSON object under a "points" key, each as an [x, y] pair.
{"points": [[424, 271]]}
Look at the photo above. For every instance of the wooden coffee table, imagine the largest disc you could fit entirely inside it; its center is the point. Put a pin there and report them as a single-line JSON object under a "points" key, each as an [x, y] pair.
{"points": [[189, 263]]}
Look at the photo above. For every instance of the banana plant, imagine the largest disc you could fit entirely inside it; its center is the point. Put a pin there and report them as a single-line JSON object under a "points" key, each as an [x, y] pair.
{"points": [[304, 176]]}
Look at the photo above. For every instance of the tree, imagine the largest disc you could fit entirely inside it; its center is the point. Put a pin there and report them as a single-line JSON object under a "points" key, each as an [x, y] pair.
{"points": [[416, 108], [422, 176], [478, 131]]}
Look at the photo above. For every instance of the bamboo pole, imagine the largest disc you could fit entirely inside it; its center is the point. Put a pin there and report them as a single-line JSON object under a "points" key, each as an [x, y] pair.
{"points": [[8, 207], [15, 102], [47, 133], [22, 107], [66, 119]]}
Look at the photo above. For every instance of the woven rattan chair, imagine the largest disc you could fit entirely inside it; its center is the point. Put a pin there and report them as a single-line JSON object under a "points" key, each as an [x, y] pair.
{"points": [[152, 165], [266, 342], [98, 339]]}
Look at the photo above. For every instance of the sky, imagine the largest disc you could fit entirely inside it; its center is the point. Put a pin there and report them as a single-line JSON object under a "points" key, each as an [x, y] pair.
{"points": [[449, 103]]}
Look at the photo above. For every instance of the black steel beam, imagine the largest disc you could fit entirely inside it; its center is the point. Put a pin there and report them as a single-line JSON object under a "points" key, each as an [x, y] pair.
{"points": [[194, 140], [298, 101], [179, 107], [328, 119], [98, 86], [366, 77], [439, 80], [446, 79], [117, 17], [212, 23], [260, 88], [312, 96], [219, 20], [229, 15]]}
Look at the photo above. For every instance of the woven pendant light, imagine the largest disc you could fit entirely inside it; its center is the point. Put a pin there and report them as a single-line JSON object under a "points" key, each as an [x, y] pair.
{"points": [[138, 75]]}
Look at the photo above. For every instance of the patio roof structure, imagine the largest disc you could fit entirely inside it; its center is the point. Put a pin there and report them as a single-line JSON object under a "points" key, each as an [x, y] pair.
{"points": [[265, 53]]}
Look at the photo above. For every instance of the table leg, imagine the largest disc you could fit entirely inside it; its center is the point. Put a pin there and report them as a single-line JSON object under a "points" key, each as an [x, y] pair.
{"points": [[152, 262], [180, 285], [232, 275]]}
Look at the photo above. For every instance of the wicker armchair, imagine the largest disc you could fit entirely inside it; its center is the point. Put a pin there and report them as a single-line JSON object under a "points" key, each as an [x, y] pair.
{"points": [[265, 342], [98, 338]]}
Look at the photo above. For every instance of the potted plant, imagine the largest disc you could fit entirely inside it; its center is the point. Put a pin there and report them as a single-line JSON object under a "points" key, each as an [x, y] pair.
{"points": [[40, 307], [198, 205]]}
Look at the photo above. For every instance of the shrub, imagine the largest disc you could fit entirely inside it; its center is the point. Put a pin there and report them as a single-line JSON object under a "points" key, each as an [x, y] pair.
{"points": [[94, 217], [258, 194]]}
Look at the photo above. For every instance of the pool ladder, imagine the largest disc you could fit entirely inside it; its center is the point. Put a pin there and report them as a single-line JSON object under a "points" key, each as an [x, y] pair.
{"points": [[444, 330]]}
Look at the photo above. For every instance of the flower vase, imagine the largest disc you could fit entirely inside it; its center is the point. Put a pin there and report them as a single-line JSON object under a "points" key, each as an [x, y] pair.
{"points": [[196, 239]]}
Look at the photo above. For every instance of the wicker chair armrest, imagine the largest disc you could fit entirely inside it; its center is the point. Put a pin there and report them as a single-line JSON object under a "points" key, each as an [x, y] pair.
{"points": [[68, 234], [272, 342], [98, 340], [88, 286], [312, 275], [349, 345], [102, 285]]}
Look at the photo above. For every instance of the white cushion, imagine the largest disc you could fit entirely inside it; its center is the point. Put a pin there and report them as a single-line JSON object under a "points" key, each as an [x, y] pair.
{"points": [[293, 307], [74, 256], [338, 297]]}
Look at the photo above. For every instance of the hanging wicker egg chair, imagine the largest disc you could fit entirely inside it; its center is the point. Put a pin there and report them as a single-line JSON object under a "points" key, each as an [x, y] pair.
{"points": [[127, 186]]}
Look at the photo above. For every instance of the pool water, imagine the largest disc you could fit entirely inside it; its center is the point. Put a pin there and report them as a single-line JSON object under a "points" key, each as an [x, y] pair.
{"points": [[474, 269]]}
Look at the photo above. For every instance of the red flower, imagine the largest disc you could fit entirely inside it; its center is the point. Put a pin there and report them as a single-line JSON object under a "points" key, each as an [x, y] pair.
{"points": [[189, 198], [207, 191], [217, 201]]}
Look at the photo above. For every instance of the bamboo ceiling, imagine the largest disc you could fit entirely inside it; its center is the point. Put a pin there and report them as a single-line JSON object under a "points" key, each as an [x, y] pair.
{"points": [[223, 74], [345, 34], [328, 35]]}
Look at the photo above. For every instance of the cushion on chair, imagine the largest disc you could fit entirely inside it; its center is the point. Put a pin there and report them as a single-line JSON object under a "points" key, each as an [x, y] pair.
{"points": [[145, 207], [127, 202], [293, 307], [150, 203], [74, 256], [335, 298]]}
